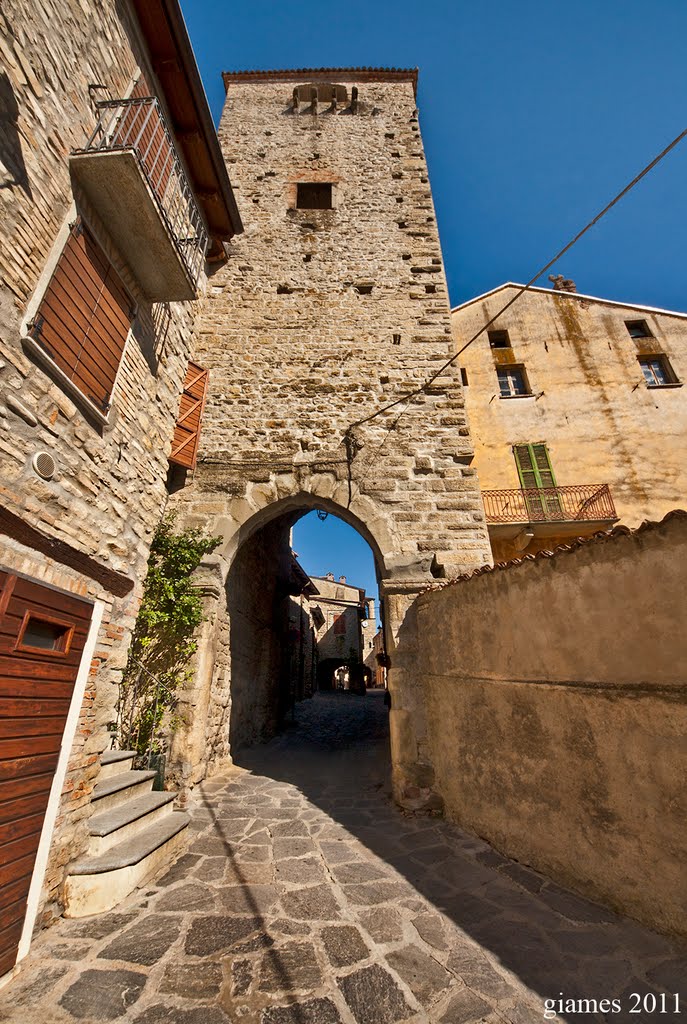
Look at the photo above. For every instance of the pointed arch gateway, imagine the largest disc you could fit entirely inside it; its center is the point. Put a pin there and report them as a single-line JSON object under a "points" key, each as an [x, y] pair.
{"points": [[239, 693]]}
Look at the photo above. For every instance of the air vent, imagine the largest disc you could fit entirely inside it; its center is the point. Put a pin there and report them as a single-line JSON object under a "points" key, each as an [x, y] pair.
{"points": [[44, 464]]}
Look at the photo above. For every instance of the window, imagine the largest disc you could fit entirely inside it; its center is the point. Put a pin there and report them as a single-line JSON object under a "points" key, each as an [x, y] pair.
{"points": [[536, 475], [464, 377], [187, 429], [44, 634], [314, 195], [658, 373], [638, 329], [499, 339], [534, 465], [84, 318], [512, 381]]}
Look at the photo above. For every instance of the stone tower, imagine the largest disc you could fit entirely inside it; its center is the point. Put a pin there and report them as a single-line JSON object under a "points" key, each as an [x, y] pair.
{"points": [[332, 304]]}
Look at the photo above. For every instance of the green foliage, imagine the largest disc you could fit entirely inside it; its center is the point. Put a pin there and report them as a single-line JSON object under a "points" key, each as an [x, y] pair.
{"points": [[163, 640]]}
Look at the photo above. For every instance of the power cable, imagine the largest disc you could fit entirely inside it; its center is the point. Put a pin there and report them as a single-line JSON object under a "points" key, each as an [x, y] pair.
{"points": [[408, 397]]}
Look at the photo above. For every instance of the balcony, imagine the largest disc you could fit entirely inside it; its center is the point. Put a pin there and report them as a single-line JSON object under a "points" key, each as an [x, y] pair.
{"points": [[550, 511], [131, 174]]}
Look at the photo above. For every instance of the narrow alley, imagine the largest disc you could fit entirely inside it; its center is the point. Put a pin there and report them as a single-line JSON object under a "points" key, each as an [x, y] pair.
{"points": [[307, 897]]}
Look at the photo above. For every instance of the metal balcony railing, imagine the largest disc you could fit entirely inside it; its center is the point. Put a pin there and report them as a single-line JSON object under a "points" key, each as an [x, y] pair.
{"points": [[550, 504], [138, 125]]}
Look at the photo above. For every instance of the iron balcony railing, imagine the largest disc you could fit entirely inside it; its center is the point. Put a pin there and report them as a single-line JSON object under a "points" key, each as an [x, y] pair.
{"points": [[550, 504], [138, 125]]}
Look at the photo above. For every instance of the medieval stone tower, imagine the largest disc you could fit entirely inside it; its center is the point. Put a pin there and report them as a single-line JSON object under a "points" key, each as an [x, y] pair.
{"points": [[332, 304]]}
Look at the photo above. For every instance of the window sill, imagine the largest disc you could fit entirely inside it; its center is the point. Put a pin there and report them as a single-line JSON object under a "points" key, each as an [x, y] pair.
{"points": [[89, 407], [665, 387], [508, 397]]}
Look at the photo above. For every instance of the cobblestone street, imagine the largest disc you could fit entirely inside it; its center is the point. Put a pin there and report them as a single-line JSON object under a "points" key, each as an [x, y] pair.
{"points": [[307, 897]]}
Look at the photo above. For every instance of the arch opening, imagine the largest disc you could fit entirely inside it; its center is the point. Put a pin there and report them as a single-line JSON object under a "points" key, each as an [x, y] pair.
{"points": [[297, 629]]}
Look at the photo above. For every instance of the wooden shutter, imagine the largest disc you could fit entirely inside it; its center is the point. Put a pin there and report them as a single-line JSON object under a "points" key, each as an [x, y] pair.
{"points": [[534, 465], [187, 430], [84, 317], [42, 637]]}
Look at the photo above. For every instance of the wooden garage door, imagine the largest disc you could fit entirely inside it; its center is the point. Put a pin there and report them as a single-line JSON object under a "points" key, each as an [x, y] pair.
{"points": [[42, 636]]}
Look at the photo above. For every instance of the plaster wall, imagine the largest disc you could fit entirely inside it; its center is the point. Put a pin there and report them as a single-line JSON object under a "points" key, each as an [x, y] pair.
{"points": [[557, 715], [589, 403]]}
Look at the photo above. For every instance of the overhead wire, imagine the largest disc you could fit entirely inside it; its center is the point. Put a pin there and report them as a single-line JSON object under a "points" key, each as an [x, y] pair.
{"points": [[409, 396]]}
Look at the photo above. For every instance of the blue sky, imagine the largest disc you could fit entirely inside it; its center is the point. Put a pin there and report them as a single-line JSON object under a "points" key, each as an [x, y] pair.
{"points": [[334, 546], [533, 115]]}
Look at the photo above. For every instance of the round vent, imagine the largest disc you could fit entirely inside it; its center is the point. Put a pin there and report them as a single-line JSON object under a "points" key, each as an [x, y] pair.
{"points": [[44, 465]]}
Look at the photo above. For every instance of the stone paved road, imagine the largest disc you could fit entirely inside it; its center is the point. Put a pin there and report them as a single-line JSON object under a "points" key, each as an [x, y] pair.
{"points": [[306, 897]]}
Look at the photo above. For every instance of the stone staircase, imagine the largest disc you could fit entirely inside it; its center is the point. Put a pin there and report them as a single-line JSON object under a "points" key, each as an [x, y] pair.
{"points": [[134, 833]]}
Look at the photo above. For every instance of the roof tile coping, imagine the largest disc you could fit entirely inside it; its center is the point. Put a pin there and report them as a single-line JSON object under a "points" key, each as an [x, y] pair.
{"points": [[359, 74], [596, 538], [567, 295]]}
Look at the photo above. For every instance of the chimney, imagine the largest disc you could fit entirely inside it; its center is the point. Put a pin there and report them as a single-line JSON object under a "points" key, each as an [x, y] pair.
{"points": [[330, 577], [562, 284], [342, 579]]}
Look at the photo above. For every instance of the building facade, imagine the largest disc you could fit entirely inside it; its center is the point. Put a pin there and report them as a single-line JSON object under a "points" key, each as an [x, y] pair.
{"points": [[112, 192], [577, 413], [342, 615], [332, 304]]}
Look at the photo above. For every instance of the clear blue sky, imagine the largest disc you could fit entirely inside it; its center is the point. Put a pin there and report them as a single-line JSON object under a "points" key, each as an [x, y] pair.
{"points": [[334, 546], [533, 115]]}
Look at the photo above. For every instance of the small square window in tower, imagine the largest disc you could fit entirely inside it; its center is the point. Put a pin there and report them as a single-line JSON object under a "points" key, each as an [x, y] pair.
{"points": [[658, 373], [512, 382], [499, 339], [314, 195], [638, 329]]}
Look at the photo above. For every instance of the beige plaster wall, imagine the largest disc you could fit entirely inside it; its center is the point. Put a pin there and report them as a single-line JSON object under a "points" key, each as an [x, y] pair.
{"points": [[589, 402], [556, 715]]}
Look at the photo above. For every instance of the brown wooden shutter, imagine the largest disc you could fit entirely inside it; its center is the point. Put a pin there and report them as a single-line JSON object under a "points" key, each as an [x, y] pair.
{"points": [[84, 317], [187, 430]]}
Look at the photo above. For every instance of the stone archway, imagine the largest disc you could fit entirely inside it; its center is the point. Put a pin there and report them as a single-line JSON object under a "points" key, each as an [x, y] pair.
{"points": [[234, 698]]}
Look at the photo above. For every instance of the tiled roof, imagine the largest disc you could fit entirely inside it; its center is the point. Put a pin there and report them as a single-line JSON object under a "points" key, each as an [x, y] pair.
{"points": [[597, 538]]}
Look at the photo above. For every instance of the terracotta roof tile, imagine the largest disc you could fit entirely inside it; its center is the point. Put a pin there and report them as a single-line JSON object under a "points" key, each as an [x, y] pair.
{"points": [[597, 538]]}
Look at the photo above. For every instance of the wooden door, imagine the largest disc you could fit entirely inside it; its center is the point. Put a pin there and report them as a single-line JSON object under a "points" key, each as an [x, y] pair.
{"points": [[42, 637]]}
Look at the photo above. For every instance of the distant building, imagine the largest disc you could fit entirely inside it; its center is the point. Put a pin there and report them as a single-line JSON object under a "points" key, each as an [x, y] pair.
{"points": [[374, 658], [577, 413], [342, 615]]}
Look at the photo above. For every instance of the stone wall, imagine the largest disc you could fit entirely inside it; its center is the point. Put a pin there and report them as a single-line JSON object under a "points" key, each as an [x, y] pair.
{"points": [[319, 318], [297, 351], [108, 490], [557, 719]]}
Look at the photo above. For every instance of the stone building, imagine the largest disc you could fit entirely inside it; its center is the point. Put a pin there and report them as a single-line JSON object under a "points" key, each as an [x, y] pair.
{"points": [[112, 189], [332, 304], [375, 659], [341, 612], [577, 413]]}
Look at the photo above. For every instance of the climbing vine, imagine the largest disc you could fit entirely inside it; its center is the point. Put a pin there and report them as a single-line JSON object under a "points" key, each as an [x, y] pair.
{"points": [[163, 639]]}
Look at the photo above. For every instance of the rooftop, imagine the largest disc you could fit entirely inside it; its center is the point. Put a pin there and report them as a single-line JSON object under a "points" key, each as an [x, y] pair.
{"points": [[324, 74], [569, 295]]}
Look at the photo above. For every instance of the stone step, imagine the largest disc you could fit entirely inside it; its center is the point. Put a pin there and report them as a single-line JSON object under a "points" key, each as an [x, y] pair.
{"points": [[113, 762], [97, 884], [119, 824], [121, 787]]}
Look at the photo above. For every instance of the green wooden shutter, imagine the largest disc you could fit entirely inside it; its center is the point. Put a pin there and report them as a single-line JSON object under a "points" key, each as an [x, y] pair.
{"points": [[534, 465], [536, 474]]}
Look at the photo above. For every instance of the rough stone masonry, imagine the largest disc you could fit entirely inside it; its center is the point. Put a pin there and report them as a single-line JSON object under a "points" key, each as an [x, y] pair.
{"points": [[321, 316]]}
